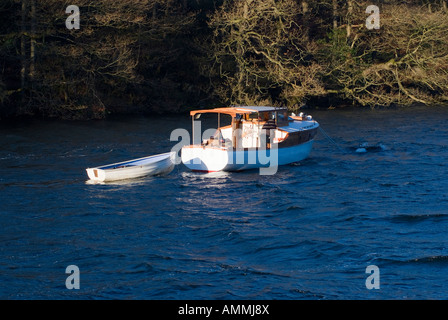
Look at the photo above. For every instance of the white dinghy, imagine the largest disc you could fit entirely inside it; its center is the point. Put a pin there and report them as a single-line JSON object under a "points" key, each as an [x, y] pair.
{"points": [[131, 169]]}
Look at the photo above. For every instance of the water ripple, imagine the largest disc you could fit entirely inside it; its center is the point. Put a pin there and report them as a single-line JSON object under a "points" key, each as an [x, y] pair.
{"points": [[309, 232]]}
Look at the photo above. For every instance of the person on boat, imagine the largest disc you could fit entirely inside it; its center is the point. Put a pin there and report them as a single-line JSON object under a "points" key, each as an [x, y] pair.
{"points": [[268, 126], [216, 140]]}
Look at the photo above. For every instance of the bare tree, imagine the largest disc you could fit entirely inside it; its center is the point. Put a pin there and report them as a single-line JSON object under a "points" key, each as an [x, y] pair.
{"points": [[259, 48], [404, 62], [85, 72]]}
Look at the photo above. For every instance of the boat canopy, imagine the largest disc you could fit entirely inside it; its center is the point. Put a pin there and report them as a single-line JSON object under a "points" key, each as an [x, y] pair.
{"points": [[233, 111]]}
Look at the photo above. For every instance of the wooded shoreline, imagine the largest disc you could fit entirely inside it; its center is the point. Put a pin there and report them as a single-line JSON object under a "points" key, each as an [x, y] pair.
{"points": [[168, 56]]}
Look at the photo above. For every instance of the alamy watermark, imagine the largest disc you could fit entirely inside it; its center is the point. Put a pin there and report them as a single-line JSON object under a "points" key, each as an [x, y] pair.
{"points": [[373, 21], [266, 157], [73, 280], [373, 280], [73, 21]]}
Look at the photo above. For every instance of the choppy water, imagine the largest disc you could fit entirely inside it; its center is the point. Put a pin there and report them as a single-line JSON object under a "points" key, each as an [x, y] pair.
{"points": [[309, 232]]}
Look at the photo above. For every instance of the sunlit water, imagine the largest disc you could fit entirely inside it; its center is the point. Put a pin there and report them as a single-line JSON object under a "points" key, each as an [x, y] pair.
{"points": [[309, 232]]}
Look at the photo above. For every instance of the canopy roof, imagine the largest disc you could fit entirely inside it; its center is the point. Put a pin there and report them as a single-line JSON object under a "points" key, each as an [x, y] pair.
{"points": [[233, 111]]}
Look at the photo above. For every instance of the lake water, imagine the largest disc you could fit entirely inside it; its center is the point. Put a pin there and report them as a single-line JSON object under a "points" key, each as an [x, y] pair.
{"points": [[308, 232]]}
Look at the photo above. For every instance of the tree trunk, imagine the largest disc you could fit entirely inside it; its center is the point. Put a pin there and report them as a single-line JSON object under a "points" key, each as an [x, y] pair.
{"points": [[154, 14], [240, 52], [444, 5], [246, 9], [23, 49], [349, 19], [33, 44], [335, 14], [306, 21]]}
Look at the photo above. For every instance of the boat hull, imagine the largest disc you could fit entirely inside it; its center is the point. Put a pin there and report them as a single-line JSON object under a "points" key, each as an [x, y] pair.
{"points": [[137, 168], [208, 159]]}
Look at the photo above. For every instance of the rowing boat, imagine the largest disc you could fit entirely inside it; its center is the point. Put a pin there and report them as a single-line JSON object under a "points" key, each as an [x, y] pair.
{"points": [[131, 169]]}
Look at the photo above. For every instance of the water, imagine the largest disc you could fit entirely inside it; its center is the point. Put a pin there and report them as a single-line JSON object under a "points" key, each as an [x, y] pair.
{"points": [[309, 232]]}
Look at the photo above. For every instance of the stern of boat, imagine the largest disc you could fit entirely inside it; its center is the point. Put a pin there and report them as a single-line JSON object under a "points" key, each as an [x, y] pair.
{"points": [[205, 159], [96, 174]]}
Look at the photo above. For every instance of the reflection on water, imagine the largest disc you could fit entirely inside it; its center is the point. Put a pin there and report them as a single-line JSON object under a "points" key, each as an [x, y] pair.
{"points": [[205, 175], [307, 232], [125, 182]]}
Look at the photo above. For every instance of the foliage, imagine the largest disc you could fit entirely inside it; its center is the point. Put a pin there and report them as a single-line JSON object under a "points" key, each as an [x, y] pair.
{"points": [[404, 62], [173, 55], [262, 53]]}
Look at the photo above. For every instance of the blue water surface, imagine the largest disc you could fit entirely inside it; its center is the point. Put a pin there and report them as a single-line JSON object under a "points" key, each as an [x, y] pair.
{"points": [[308, 232]]}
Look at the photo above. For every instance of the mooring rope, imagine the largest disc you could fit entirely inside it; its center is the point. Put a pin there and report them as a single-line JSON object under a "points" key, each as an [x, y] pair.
{"points": [[330, 139]]}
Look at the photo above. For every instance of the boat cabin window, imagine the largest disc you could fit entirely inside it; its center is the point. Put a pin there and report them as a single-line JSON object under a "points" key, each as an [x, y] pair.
{"points": [[282, 118], [265, 116], [252, 116], [225, 120]]}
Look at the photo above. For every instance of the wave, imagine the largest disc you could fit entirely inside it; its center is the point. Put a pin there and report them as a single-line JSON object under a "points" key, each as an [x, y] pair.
{"points": [[430, 259], [288, 207], [426, 260], [415, 218]]}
